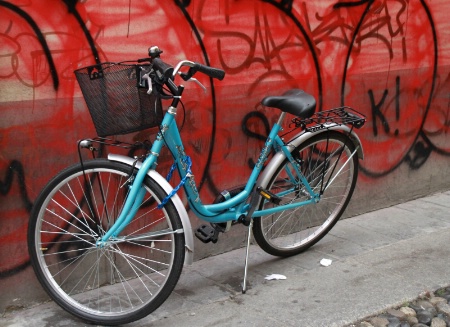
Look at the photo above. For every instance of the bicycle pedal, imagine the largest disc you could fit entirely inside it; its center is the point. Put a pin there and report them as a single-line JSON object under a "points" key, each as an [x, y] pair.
{"points": [[207, 233], [269, 195]]}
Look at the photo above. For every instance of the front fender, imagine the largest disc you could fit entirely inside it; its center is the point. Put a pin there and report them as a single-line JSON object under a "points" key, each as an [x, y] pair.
{"points": [[279, 157], [187, 228]]}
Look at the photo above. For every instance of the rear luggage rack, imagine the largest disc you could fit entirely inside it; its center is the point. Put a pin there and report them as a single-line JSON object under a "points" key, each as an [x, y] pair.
{"points": [[329, 118]]}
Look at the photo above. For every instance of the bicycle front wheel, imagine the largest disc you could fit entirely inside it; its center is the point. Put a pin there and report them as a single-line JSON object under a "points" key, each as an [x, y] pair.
{"points": [[123, 280], [329, 162]]}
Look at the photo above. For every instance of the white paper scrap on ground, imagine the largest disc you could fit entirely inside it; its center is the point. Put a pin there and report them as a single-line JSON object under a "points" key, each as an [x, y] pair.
{"points": [[275, 276], [326, 262]]}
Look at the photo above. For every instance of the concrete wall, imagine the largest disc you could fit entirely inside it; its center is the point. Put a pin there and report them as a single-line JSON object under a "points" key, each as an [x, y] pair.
{"points": [[388, 59]]}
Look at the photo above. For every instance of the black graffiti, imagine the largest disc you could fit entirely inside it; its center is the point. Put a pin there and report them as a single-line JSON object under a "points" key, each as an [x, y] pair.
{"points": [[251, 134], [39, 36], [378, 114], [16, 169], [344, 4], [71, 5], [417, 155]]}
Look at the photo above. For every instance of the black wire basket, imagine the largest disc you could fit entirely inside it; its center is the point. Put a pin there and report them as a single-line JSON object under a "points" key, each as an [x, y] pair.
{"points": [[117, 98]]}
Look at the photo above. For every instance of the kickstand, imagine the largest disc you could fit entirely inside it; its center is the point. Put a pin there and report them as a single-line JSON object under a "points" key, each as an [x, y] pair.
{"points": [[244, 285], [249, 219]]}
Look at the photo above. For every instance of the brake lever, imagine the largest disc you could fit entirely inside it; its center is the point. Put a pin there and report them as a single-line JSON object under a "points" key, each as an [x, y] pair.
{"points": [[193, 79], [149, 81]]}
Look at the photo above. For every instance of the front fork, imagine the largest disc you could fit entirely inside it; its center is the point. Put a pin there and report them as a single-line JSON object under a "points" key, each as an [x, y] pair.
{"points": [[133, 202]]}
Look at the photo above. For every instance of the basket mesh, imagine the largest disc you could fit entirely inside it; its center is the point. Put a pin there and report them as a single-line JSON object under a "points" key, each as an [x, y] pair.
{"points": [[115, 101]]}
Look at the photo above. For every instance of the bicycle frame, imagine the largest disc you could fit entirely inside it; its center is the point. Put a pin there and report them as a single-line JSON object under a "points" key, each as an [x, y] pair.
{"points": [[229, 210], [98, 243]]}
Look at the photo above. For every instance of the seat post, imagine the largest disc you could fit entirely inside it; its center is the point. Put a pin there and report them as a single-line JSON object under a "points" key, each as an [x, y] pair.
{"points": [[281, 118]]}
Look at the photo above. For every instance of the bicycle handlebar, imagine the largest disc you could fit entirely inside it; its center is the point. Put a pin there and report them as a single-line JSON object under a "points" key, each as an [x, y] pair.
{"points": [[165, 73], [168, 71], [207, 70]]}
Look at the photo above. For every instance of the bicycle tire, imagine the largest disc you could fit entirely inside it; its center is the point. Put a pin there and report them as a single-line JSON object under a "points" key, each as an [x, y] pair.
{"points": [[122, 281], [293, 231]]}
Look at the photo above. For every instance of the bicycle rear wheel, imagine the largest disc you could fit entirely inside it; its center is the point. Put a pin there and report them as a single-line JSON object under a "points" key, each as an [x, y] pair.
{"points": [[328, 161], [127, 278]]}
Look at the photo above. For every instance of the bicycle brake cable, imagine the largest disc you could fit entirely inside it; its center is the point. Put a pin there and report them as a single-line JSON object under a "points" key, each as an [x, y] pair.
{"points": [[187, 160]]}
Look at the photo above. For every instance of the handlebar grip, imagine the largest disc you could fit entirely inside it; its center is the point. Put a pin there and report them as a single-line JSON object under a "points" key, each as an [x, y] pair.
{"points": [[165, 69], [210, 71]]}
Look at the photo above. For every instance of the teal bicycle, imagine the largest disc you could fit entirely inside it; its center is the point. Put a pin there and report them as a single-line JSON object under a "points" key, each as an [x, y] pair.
{"points": [[108, 237]]}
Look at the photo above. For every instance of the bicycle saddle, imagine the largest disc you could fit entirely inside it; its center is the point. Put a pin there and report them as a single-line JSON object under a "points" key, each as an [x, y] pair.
{"points": [[295, 101]]}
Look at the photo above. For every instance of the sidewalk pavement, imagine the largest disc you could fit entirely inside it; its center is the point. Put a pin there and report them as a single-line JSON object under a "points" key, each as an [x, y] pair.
{"points": [[379, 259]]}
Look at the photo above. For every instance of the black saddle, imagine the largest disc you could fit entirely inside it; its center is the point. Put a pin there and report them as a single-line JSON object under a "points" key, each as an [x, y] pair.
{"points": [[296, 102]]}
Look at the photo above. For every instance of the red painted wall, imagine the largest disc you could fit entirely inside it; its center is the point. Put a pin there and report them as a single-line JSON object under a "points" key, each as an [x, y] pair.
{"points": [[389, 59]]}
